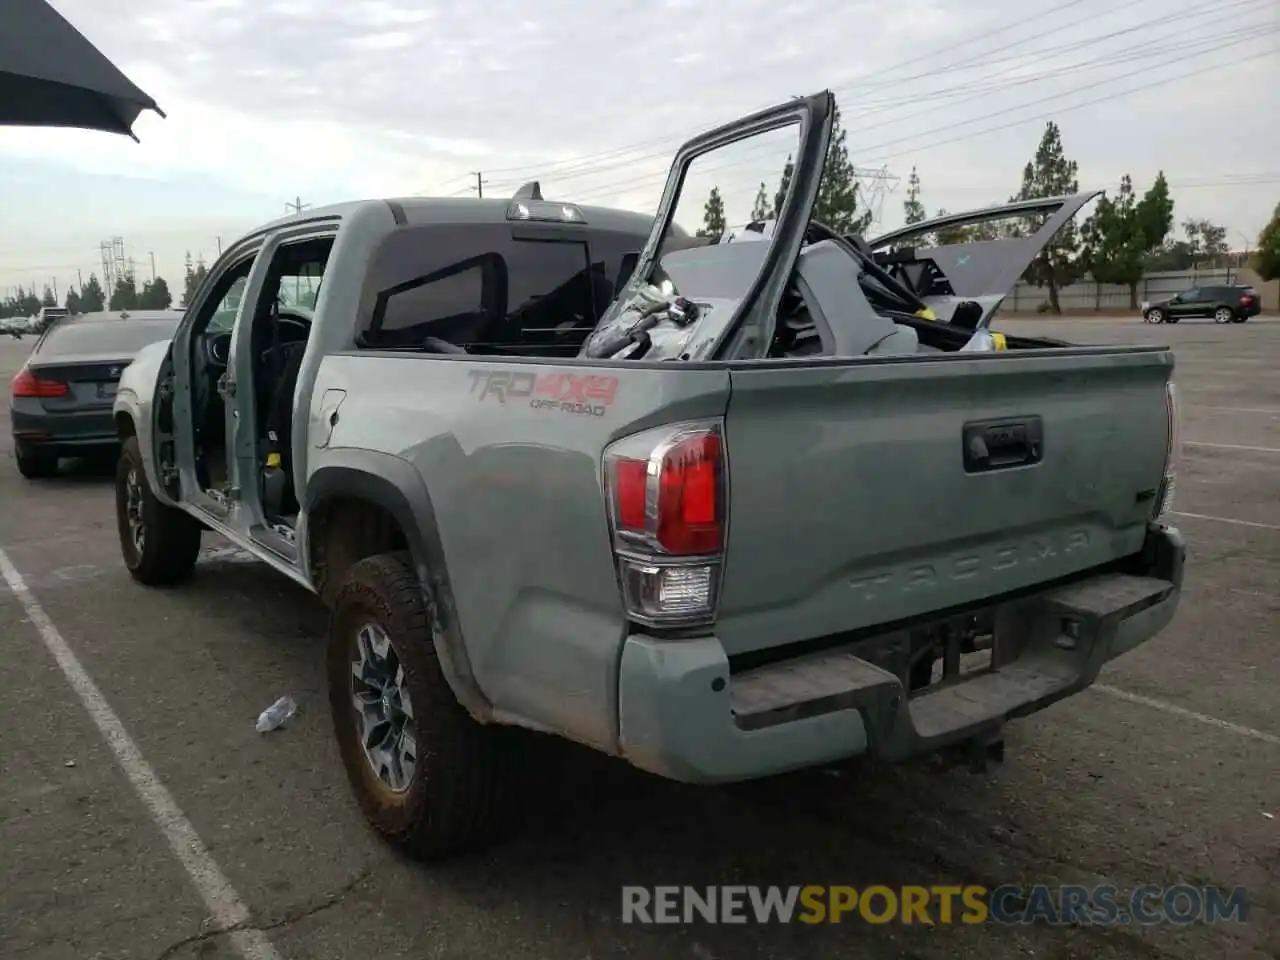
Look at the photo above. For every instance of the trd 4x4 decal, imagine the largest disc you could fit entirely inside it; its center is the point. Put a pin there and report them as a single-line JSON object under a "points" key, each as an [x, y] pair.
{"points": [[584, 394]]}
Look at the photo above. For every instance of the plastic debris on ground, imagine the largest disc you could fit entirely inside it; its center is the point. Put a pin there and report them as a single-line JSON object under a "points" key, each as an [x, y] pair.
{"points": [[276, 715]]}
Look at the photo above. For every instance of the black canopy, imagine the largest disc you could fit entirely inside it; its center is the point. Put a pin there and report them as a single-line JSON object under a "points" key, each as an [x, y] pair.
{"points": [[51, 76]]}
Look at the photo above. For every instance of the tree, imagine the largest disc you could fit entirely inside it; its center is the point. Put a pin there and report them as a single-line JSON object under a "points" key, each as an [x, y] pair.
{"points": [[1051, 174], [73, 301], [48, 299], [155, 295], [1267, 258], [193, 276], [949, 235], [760, 209], [1124, 234], [784, 184], [713, 224], [1205, 239], [92, 297], [125, 294], [912, 208], [837, 205]]}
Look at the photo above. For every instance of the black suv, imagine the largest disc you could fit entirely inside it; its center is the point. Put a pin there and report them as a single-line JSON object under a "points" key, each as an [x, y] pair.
{"points": [[1226, 303]]}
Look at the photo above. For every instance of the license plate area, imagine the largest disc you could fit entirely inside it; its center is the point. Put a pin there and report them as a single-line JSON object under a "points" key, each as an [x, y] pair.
{"points": [[937, 654], [107, 391]]}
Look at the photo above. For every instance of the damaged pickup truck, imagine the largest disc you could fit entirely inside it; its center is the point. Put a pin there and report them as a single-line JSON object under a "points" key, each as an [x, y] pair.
{"points": [[720, 509]]}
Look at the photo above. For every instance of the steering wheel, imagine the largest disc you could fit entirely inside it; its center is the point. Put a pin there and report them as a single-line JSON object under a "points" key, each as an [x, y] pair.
{"points": [[818, 231]]}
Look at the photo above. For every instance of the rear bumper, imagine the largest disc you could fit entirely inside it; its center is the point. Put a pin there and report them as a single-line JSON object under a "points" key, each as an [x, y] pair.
{"points": [[684, 717], [71, 434]]}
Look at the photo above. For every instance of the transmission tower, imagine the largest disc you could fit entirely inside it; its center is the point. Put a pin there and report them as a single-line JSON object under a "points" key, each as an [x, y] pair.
{"points": [[875, 185], [114, 264]]}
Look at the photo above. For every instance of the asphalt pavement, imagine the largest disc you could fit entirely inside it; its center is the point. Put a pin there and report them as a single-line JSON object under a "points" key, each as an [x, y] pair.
{"points": [[140, 812]]}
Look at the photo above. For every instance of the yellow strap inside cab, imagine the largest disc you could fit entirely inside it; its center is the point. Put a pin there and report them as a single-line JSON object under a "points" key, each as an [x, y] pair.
{"points": [[273, 459], [926, 314], [998, 339]]}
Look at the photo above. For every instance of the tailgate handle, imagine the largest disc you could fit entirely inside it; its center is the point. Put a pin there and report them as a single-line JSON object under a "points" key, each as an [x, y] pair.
{"points": [[1001, 444]]}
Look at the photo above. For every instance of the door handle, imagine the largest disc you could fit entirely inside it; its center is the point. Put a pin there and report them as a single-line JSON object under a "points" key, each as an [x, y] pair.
{"points": [[1002, 444]]}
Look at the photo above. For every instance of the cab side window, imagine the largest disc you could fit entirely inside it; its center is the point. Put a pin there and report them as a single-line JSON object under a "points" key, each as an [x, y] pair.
{"points": [[485, 288]]}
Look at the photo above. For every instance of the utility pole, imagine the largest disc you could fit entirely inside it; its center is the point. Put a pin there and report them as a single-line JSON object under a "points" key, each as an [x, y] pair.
{"points": [[480, 182], [296, 207], [55, 289], [153, 266], [80, 277], [219, 239]]}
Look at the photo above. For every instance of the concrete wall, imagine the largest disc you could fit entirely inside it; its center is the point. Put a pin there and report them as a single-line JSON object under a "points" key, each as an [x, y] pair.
{"points": [[1087, 295]]}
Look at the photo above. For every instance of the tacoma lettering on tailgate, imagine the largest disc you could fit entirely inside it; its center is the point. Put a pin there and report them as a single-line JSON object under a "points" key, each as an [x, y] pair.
{"points": [[998, 558], [560, 392]]}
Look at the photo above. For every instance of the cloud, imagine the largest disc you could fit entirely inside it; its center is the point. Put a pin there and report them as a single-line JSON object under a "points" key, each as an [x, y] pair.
{"points": [[334, 99]]}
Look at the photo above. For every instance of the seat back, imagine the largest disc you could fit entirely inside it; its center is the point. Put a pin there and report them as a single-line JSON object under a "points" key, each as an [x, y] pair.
{"points": [[834, 297]]}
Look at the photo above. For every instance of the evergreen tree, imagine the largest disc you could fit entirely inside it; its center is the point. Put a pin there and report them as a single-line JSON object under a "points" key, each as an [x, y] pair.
{"points": [[92, 297], [837, 204], [48, 299], [784, 184], [913, 210], [155, 295], [73, 301], [760, 209], [125, 294], [1051, 174], [713, 224]]}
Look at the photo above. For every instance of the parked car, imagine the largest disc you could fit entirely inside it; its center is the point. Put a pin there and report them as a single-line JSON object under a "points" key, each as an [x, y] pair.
{"points": [[716, 509], [60, 404], [1226, 303]]}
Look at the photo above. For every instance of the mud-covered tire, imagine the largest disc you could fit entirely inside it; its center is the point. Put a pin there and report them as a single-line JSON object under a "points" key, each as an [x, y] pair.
{"points": [[170, 541], [34, 466], [457, 796]]}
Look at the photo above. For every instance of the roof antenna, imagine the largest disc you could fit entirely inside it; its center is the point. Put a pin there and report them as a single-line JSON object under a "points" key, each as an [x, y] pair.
{"points": [[530, 191]]}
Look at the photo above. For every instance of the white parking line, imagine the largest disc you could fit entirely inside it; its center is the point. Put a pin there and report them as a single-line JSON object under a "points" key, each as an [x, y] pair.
{"points": [[1230, 446], [223, 903], [1269, 411], [1241, 523], [1177, 711]]}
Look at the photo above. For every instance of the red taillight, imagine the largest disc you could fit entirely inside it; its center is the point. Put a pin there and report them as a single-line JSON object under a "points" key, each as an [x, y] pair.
{"points": [[688, 495], [27, 384], [632, 483], [666, 490], [1246, 299]]}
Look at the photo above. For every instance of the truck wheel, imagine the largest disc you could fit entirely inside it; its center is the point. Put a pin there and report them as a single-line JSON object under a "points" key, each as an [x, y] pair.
{"points": [[159, 543], [34, 466], [428, 777]]}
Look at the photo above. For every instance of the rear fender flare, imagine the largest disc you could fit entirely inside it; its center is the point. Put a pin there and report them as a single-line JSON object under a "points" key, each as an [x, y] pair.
{"points": [[394, 485]]}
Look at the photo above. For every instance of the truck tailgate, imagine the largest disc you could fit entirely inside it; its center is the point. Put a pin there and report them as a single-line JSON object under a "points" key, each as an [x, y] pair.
{"points": [[852, 502]]}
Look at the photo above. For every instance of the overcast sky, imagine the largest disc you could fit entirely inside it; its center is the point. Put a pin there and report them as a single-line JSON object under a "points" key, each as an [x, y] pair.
{"points": [[328, 100]]}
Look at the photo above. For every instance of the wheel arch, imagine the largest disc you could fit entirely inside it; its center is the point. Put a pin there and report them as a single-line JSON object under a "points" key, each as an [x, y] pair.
{"points": [[125, 427], [359, 503]]}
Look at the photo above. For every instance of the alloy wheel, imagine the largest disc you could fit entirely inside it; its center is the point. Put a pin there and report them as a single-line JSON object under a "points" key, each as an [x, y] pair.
{"points": [[133, 510], [383, 709]]}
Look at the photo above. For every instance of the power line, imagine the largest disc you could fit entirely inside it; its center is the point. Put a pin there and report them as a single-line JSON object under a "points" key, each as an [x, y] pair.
{"points": [[612, 189], [575, 167], [480, 182], [558, 167]]}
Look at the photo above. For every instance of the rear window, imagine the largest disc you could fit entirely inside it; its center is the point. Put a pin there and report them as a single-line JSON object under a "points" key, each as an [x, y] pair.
{"points": [[120, 337], [490, 284]]}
